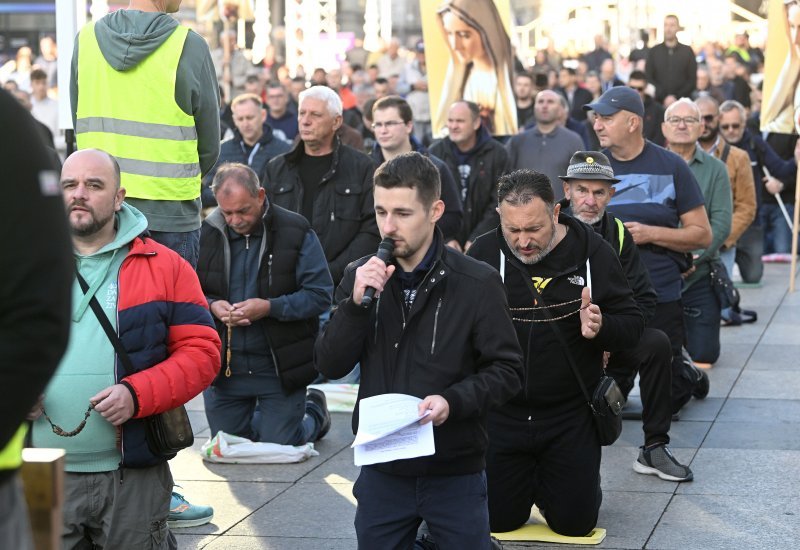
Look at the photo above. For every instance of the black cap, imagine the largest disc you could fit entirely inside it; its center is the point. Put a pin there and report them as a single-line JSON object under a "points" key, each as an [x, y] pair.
{"points": [[590, 165], [616, 99]]}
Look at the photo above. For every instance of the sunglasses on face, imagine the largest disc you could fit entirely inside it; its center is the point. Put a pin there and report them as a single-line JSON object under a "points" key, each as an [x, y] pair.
{"points": [[709, 118], [734, 126]]}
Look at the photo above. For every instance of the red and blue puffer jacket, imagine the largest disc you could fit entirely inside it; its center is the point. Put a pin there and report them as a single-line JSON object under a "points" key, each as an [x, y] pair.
{"points": [[165, 327]]}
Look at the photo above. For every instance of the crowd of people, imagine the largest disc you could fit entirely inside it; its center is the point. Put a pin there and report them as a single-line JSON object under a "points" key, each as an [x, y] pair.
{"points": [[224, 219]]}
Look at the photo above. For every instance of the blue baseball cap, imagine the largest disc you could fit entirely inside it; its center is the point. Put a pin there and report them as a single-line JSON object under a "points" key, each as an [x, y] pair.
{"points": [[616, 99]]}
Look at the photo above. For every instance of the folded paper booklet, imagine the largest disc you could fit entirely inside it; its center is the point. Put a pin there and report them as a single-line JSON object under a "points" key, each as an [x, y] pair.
{"points": [[389, 429]]}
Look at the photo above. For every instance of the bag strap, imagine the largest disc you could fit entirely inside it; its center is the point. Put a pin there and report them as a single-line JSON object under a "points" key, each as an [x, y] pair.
{"points": [[106, 324], [725, 152]]}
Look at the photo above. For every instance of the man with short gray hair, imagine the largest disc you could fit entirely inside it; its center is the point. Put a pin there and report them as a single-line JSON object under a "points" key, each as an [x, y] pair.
{"points": [[266, 280], [328, 183], [682, 128]]}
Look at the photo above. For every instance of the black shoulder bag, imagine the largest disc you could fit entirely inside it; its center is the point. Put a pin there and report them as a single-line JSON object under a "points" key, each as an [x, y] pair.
{"points": [[167, 432], [606, 401]]}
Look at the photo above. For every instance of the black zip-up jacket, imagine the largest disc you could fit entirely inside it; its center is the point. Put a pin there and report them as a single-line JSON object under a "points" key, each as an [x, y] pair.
{"points": [[344, 213], [550, 388], [450, 222], [487, 162], [613, 230], [456, 340]]}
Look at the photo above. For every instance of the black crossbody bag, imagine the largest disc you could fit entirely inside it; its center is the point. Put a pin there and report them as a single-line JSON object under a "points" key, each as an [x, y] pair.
{"points": [[167, 432], [607, 400]]}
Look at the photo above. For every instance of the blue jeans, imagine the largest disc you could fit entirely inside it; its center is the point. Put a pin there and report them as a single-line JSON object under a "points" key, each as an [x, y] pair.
{"points": [[777, 236], [701, 317], [254, 406], [186, 244], [749, 249], [728, 257], [391, 508]]}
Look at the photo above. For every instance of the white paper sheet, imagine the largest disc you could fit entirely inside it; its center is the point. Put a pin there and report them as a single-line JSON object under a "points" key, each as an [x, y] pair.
{"points": [[389, 429]]}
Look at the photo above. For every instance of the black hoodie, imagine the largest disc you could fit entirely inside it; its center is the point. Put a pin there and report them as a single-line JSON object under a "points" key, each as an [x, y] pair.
{"points": [[483, 165], [549, 386]]}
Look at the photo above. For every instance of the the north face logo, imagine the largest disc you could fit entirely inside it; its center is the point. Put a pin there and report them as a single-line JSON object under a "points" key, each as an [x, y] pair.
{"points": [[577, 280]]}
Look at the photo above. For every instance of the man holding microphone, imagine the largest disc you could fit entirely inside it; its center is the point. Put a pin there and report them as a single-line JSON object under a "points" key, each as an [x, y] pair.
{"points": [[438, 329]]}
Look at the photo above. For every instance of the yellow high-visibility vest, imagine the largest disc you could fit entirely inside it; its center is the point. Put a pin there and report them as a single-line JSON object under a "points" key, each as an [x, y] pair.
{"points": [[133, 116], [11, 455]]}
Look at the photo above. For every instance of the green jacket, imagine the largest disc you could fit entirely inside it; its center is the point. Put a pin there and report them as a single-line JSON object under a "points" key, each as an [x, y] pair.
{"points": [[712, 177]]}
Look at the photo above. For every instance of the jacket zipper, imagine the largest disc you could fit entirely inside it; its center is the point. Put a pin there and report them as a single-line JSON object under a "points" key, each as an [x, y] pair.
{"points": [[269, 271], [435, 324]]}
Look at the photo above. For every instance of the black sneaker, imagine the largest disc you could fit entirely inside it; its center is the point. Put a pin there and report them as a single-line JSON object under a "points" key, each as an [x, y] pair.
{"points": [[316, 398], [659, 461], [700, 390]]}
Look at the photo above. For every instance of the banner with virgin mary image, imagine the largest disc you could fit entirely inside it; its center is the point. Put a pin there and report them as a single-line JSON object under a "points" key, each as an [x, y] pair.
{"points": [[781, 94], [469, 56]]}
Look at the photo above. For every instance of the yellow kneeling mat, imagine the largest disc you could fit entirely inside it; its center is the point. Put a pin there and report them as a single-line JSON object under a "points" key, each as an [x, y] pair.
{"points": [[542, 533]]}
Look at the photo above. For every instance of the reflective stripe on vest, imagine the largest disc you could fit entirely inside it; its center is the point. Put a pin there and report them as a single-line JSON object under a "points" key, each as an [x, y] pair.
{"points": [[620, 233], [11, 455], [133, 115]]}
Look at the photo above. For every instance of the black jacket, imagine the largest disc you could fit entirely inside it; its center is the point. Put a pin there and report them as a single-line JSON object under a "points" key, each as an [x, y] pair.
{"points": [[614, 232], [450, 222], [487, 161], [580, 97], [456, 340], [37, 278], [550, 387], [673, 71], [291, 342], [653, 118], [344, 215], [233, 150]]}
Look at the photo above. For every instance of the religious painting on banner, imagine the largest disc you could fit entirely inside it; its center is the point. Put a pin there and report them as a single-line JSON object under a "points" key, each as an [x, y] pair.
{"points": [[469, 56], [781, 103]]}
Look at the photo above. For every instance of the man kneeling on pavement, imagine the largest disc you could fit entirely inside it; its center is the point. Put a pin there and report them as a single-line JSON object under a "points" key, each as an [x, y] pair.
{"points": [[588, 188], [266, 279], [560, 277]]}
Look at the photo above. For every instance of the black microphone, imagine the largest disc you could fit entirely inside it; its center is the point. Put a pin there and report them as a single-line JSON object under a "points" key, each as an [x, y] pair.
{"points": [[384, 254]]}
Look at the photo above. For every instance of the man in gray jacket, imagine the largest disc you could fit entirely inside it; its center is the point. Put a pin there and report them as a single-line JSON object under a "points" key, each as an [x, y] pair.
{"points": [[548, 146]]}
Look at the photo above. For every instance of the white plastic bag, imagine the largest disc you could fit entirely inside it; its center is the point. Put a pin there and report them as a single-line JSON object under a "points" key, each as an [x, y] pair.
{"points": [[231, 449]]}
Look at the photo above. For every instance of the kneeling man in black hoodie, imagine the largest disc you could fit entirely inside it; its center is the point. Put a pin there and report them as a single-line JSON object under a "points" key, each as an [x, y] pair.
{"points": [[559, 276]]}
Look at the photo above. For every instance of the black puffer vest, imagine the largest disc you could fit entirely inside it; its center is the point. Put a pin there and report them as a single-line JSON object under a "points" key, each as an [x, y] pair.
{"points": [[291, 342]]}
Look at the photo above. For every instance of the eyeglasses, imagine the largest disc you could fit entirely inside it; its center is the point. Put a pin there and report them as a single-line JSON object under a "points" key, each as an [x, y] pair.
{"points": [[389, 124], [709, 118], [734, 126], [687, 120]]}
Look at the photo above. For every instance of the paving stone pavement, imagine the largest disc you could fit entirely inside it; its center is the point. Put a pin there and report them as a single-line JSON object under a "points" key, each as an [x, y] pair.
{"points": [[742, 442]]}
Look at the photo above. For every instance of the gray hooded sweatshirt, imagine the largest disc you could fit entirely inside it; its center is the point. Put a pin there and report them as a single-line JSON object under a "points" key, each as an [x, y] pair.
{"points": [[127, 37]]}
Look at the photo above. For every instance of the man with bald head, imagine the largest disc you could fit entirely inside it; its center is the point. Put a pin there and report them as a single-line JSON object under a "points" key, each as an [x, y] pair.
{"points": [[477, 161], [662, 206], [152, 301], [548, 146]]}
